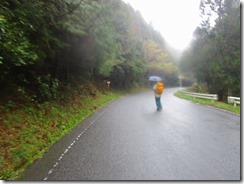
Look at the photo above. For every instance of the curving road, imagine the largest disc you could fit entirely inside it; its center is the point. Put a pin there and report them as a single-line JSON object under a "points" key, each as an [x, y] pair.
{"points": [[129, 140]]}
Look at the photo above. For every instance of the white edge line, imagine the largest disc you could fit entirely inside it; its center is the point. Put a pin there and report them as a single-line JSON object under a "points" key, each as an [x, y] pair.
{"points": [[77, 138]]}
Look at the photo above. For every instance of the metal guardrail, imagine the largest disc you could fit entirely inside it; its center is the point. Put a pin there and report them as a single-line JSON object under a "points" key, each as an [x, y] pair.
{"points": [[201, 95], [234, 100]]}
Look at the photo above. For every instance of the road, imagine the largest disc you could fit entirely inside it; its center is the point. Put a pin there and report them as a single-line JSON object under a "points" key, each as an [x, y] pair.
{"points": [[129, 140]]}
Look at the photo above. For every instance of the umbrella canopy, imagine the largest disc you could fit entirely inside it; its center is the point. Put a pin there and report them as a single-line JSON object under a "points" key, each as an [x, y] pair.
{"points": [[155, 78]]}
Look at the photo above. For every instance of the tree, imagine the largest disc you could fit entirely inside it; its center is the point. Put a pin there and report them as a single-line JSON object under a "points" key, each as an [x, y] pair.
{"points": [[160, 62], [214, 56], [68, 41]]}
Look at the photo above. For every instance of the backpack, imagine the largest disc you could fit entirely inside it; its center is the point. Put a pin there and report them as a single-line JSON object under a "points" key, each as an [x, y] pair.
{"points": [[159, 88]]}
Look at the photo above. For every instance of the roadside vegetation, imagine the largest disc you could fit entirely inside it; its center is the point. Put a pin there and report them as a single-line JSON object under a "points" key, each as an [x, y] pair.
{"points": [[214, 57], [218, 104], [54, 65], [28, 130]]}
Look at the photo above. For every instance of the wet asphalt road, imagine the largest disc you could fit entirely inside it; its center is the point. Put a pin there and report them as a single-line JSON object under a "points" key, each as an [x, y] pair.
{"points": [[129, 140]]}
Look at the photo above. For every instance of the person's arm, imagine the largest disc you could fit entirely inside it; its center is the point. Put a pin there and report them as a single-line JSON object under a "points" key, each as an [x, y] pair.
{"points": [[154, 88]]}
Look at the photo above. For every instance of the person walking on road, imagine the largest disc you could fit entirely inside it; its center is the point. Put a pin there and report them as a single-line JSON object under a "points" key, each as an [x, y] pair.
{"points": [[158, 90]]}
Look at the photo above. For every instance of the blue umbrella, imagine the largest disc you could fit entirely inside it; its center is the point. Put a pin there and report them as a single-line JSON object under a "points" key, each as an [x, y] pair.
{"points": [[155, 78]]}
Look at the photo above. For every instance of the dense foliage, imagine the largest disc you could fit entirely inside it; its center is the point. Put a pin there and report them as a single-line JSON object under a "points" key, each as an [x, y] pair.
{"points": [[48, 44], [214, 58], [55, 56], [58, 52]]}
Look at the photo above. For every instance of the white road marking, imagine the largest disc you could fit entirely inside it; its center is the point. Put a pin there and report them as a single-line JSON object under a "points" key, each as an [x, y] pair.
{"points": [[50, 171], [77, 138]]}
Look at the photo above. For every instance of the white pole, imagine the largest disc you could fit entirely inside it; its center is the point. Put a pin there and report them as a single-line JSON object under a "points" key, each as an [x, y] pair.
{"points": [[180, 77]]}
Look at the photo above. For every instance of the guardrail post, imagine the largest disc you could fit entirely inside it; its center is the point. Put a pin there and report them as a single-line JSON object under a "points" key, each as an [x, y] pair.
{"points": [[233, 100]]}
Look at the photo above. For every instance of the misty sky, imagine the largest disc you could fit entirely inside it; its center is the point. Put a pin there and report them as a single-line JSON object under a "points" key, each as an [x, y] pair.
{"points": [[176, 20]]}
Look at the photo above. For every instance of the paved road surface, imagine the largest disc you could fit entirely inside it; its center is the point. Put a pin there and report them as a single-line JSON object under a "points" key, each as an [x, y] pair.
{"points": [[129, 140]]}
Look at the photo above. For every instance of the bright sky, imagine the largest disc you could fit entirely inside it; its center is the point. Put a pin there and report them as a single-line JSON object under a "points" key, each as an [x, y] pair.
{"points": [[176, 20]]}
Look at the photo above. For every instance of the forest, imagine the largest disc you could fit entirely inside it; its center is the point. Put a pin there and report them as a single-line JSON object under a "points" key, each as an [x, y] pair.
{"points": [[214, 58], [55, 56], [55, 59], [47, 46]]}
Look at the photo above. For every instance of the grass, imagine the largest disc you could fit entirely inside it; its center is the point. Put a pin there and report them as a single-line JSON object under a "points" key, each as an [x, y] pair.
{"points": [[218, 104], [28, 131]]}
